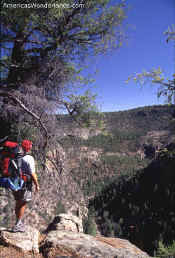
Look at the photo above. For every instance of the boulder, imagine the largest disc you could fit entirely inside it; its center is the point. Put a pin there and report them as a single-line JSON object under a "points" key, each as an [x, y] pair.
{"points": [[66, 222], [65, 234], [86, 246], [26, 242]]}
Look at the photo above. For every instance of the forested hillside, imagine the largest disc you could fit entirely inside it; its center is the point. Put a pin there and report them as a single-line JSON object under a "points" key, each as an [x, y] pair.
{"points": [[139, 207], [131, 195], [128, 141]]}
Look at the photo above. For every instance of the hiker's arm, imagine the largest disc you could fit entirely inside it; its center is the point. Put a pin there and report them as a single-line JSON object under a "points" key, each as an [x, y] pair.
{"points": [[35, 180]]}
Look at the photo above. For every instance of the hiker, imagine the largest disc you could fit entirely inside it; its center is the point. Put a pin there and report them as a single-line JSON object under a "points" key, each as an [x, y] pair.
{"points": [[23, 196]]}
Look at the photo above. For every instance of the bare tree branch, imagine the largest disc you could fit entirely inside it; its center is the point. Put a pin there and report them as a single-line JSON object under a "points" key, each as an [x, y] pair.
{"points": [[35, 116]]}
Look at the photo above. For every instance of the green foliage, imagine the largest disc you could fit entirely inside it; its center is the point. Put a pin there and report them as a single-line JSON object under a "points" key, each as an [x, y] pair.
{"points": [[156, 76], [123, 131], [43, 52], [84, 110], [109, 228], [165, 250], [133, 205], [89, 225], [170, 33], [124, 165], [59, 208], [56, 34], [113, 142], [117, 148], [94, 177]]}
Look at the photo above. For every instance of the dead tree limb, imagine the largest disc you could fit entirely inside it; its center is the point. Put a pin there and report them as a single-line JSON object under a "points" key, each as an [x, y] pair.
{"points": [[17, 101]]}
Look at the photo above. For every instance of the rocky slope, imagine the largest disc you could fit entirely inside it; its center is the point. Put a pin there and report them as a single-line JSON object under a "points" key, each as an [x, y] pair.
{"points": [[58, 193]]}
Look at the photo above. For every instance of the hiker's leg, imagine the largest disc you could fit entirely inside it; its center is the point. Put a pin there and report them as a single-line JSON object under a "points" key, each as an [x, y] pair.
{"points": [[20, 209]]}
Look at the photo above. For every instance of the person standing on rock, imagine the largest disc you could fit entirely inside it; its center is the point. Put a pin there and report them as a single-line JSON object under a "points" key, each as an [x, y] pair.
{"points": [[23, 196]]}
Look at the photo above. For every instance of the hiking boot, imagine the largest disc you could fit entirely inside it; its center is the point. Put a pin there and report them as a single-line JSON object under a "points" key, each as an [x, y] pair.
{"points": [[18, 228]]}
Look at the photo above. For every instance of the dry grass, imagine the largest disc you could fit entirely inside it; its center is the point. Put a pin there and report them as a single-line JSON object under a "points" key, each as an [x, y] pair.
{"points": [[10, 252], [61, 251]]}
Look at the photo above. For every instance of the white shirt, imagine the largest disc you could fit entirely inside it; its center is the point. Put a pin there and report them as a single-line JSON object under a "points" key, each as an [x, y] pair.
{"points": [[28, 164]]}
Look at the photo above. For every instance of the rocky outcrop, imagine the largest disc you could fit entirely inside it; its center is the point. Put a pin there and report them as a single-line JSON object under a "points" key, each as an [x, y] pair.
{"points": [[66, 233], [67, 222], [25, 242], [65, 238], [86, 246]]}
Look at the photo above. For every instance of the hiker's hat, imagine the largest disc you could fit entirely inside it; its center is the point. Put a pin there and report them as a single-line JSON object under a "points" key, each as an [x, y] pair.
{"points": [[26, 145]]}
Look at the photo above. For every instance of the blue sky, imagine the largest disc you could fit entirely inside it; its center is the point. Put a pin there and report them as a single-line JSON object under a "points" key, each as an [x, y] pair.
{"points": [[144, 49]]}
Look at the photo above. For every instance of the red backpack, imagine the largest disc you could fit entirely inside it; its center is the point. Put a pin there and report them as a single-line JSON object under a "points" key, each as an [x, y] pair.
{"points": [[11, 160], [11, 167], [10, 151]]}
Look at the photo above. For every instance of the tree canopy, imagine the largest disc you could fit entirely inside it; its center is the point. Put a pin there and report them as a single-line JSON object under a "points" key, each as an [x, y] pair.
{"points": [[44, 44]]}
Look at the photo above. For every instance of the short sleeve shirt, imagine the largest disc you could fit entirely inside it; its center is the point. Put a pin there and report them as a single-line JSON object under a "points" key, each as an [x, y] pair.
{"points": [[28, 165]]}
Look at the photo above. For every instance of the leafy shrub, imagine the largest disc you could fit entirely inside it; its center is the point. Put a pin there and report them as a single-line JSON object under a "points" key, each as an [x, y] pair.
{"points": [[60, 208], [165, 251], [89, 225]]}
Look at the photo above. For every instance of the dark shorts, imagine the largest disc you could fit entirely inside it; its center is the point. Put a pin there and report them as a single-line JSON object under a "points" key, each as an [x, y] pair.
{"points": [[23, 195]]}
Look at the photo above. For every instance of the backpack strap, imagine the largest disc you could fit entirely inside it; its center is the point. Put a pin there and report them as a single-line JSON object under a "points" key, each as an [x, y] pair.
{"points": [[16, 165], [2, 140]]}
